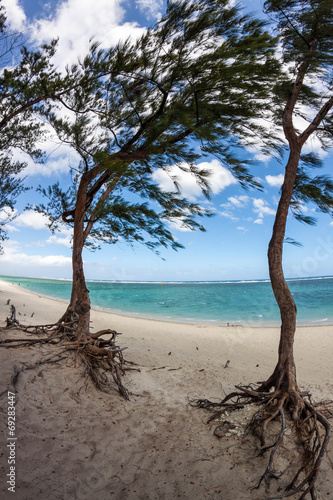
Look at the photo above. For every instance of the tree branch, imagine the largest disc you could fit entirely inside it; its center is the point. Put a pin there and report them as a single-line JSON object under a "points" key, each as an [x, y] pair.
{"points": [[93, 216], [287, 117], [316, 121]]}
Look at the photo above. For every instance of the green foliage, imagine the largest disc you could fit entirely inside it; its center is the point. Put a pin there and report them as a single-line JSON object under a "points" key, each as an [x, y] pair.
{"points": [[26, 88], [300, 22], [192, 85], [11, 187]]}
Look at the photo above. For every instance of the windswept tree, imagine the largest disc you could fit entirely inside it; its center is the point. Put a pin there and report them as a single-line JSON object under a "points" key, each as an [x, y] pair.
{"points": [[182, 90], [193, 85], [306, 36], [302, 100]]}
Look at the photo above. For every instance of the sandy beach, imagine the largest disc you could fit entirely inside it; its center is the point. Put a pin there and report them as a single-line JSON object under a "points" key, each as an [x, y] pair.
{"points": [[74, 442]]}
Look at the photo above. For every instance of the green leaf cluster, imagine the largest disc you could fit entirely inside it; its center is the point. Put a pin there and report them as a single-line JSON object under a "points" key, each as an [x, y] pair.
{"points": [[193, 85]]}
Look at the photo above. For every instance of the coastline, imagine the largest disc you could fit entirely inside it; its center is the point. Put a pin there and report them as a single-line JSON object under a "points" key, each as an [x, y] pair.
{"points": [[250, 340], [260, 322], [75, 442]]}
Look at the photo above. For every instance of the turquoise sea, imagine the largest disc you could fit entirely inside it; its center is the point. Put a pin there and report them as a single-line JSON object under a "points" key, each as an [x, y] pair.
{"points": [[233, 302]]}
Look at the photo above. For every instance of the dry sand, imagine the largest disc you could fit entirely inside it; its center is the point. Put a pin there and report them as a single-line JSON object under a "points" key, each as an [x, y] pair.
{"points": [[74, 442]]}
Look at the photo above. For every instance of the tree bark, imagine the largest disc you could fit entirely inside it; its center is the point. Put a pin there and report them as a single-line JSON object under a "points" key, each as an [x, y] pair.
{"points": [[79, 306], [284, 376]]}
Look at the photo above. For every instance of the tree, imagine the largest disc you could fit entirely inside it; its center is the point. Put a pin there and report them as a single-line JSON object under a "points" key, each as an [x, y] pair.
{"points": [[306, 29], [303, 102], [191, 85], [182, 84]]}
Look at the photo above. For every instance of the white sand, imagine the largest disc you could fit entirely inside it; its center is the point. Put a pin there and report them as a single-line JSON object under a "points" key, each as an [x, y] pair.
{"points": [[76, 443]]}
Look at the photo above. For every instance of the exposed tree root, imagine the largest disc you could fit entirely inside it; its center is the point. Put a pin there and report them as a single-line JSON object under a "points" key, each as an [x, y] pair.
{"points": [[99, 355], [312, 426]]}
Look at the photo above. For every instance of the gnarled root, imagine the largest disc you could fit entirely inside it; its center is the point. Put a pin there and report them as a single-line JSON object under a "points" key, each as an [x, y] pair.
{"points": [[312, 425], [103, 355], [100, 355]]}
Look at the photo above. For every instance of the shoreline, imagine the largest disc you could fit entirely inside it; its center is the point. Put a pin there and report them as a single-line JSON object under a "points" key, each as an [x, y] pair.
{"points": [[251, 340], [177, 320]]}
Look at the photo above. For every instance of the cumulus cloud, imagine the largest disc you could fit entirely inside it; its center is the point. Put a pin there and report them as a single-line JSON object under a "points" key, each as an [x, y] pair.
{"points": [[36, 260], [219, 179], [151, 8], [16, 17], [77, 22], [236, 201], [16, 260], [64, 237], [56, 165], [228, 215], [261, 208], [313, 143], [32, 219], [275, 180]]}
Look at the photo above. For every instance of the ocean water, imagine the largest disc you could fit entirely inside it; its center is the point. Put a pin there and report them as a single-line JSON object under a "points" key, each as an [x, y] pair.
{"points": [[235, 302]]}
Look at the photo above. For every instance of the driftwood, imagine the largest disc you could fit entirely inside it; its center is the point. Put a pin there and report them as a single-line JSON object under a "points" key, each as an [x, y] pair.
{"points": [[12, 320]]}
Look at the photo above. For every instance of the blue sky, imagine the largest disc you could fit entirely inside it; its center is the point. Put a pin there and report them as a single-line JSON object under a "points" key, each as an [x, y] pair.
{"points": [[235, 244]]}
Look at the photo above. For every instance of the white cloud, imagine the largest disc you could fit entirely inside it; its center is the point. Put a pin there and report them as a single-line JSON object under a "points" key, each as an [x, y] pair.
{"points": [[219, 179], [64, 237], [32, 219], [36, 260], [262, 208], [16, 17], [275, 180], [178, 225], [16, 260], [151, 8], [60, 165], [54, 166], [52, 260], [228, 215], [11, 229], [59, 158], [236, 201], [220, 176], [76, 22]]}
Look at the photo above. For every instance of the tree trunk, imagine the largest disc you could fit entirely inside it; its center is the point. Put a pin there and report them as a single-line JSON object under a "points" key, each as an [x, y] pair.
{"points": [[283, 378], [79, 306]]}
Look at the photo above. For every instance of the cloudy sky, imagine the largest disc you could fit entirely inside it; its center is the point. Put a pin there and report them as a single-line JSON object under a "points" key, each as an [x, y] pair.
{"points": [[235, 244]]}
